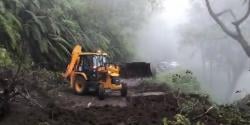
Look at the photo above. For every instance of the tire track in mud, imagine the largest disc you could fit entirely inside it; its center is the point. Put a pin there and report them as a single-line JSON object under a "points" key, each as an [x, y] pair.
{"points": [[68, 100]]}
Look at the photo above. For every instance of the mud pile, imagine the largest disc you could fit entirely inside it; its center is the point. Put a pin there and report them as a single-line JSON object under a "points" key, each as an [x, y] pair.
{"points": [[142, 111]]}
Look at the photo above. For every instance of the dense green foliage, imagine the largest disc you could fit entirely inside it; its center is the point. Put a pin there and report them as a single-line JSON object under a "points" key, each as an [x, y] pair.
{"points": [[46, 30]]}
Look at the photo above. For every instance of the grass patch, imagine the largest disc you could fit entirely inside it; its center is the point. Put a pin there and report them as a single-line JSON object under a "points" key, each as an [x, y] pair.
{"points": [[180, 79]]}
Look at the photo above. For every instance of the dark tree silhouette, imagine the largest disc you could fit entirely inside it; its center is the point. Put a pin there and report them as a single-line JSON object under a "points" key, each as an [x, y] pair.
{"points": [[237, 34]]}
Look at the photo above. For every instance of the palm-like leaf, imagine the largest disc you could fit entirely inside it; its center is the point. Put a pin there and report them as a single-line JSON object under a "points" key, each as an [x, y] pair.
{"points": [[37, 20], [10, 28], [50, 28]]}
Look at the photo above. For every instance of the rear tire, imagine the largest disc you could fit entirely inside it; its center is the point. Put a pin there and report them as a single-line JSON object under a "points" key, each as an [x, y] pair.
{"points": [[101, 92], [80, 85], [124, 90]]}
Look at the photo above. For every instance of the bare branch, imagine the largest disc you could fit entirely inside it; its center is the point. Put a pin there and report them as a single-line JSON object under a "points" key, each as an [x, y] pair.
{"points": [[239, 31], [238, 36], [203, 114], [227, 11], [240, 21], [234, 35]]}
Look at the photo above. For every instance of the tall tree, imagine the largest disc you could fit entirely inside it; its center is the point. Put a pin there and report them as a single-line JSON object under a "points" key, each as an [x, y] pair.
{"points": [[237, 34], [222, 60]]}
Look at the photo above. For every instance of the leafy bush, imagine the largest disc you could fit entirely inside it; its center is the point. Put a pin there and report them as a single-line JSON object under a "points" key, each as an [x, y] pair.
{"points": [[232, 115], [183, 80], [5, 59], [179, 120]]}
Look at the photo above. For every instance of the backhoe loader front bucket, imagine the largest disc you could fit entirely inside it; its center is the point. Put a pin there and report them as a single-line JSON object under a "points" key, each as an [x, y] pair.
{"points": [[135, 70]]}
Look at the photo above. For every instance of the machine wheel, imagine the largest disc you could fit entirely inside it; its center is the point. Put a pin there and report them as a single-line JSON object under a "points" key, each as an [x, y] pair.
{"points": [[80, 86], [124, 90], [101, 92]]}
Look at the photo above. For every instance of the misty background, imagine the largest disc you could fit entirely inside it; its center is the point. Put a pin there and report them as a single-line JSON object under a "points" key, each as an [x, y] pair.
{"points": [[183, 31]]}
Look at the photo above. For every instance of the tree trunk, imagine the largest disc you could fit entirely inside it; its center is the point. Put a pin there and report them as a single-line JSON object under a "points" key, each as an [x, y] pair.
{"points": [[244, 44]]}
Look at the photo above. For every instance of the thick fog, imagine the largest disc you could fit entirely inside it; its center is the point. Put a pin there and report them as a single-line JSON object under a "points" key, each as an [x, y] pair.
{"points": [[183, 31], [159, 39]]}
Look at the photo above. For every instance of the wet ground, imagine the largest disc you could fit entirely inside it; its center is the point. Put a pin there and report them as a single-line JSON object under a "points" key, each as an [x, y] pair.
{"points": [[146, 104], [61, 106]]}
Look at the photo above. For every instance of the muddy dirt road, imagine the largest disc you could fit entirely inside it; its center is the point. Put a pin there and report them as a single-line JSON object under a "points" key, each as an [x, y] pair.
{"points": [[66, 98], [146, 104]]}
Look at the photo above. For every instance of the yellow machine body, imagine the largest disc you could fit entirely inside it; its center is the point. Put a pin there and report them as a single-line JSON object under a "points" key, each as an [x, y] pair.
{"points": [[109, 73]]}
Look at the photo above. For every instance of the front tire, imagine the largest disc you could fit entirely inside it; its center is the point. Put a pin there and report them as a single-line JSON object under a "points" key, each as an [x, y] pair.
{"points": [[80, 85], [124, 90], [101, 92]]}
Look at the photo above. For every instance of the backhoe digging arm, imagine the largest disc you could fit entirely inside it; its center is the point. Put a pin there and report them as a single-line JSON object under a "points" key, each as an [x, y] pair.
{"points": [[74, 58]]}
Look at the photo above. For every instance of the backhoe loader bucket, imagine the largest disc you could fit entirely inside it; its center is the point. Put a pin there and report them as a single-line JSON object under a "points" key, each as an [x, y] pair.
{"points": [[135, 70]]}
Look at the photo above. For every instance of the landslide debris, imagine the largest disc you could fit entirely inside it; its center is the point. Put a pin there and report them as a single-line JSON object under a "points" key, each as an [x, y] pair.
{"points": [[40, 96]]}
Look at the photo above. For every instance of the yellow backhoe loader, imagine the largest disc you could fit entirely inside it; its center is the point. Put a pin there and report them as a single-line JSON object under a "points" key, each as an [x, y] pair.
{"points": [[92, 72]]}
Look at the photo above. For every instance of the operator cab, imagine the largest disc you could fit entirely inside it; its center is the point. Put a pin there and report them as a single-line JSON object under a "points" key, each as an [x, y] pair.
{"points": [[89, 64], [92, 62]]}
